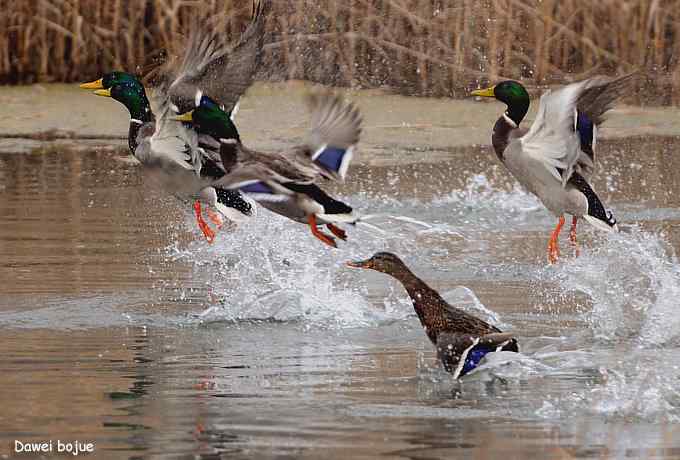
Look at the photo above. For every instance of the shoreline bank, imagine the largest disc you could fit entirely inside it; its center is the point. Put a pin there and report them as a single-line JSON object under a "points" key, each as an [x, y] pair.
{"points": [[65, 116]]}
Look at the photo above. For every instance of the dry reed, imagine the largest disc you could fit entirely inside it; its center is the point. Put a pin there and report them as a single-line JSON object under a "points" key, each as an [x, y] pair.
{"points": [[430, 47]]}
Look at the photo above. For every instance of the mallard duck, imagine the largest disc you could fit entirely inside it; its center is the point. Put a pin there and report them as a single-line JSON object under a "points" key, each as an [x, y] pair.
{"points": [[283, 182], [129, 91], [555, 158], [461, 339], [132, 95], [207, 63]]}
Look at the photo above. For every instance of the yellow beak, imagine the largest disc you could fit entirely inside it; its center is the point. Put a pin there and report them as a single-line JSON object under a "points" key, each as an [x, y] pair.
{"points": [[103, 92], [488, 92], [187, 117], [97, 84]]}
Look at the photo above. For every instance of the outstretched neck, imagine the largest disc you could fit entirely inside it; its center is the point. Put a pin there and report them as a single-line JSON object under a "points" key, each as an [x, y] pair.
{"points": [[421, 294], [404, 275]]}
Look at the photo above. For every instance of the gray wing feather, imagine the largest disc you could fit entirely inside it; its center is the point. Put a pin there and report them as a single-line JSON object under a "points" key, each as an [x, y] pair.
{"points": [[333, 122], [292, 165], [552, 138], [598, 97], [172, 145], [600, 94], [247, 172], [223, 72]]}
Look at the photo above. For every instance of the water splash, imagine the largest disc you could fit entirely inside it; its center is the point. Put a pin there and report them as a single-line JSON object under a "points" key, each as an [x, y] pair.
{"points": [[636, 388], [272, 269], [633, 281], [640, 390], [464, 298], [480, 194]]}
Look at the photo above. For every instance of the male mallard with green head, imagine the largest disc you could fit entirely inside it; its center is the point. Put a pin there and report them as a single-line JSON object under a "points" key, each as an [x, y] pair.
{"points": [[555, 158], [461, 339], [224, 70], [129, 91], [284, 181]]}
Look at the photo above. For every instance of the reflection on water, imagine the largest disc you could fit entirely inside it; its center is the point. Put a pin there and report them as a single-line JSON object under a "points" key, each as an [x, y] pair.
{"points": [[120, 326]]}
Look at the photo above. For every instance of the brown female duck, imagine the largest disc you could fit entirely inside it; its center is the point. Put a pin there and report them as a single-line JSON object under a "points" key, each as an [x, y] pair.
{"points": [[461, 339]]}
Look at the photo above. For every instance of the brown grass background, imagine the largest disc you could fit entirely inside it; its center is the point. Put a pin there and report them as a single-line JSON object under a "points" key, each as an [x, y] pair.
{"points": [[427, 47]]}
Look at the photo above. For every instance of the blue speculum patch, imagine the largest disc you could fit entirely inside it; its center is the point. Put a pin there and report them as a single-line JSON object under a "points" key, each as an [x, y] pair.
{"points": [[257, 187], [331, 158], [472, 360], [585, 129]]}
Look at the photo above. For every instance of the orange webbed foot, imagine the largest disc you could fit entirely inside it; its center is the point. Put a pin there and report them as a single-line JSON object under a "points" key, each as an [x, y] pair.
{"points": [[215, 217], [572, 237], [329, 240], [337, 231], [202, 224], [553, 243]]}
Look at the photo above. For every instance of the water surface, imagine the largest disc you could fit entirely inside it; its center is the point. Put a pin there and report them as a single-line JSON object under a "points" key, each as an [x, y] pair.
{"points": [[120, 326]]}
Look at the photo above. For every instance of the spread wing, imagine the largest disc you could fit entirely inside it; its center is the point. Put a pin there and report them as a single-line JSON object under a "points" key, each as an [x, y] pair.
{"points": [[172, 145], [292, 165], [563, 135], [598, 97], [334, 133], [223, 72], [257, 181], [552, 139]]}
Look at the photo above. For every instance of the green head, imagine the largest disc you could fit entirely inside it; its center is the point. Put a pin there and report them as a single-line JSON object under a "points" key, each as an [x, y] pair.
{"points": [[133, 96], [110, 79], [209, 118], [512, 94]]}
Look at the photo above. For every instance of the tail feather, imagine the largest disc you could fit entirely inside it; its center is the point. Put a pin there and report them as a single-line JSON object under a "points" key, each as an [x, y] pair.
{"points": [[349, 218], [234, 200], [329, 204], [597, 215]]}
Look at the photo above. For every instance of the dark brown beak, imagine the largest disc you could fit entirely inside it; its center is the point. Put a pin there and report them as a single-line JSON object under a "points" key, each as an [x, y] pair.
{"points": [[360, 263]]}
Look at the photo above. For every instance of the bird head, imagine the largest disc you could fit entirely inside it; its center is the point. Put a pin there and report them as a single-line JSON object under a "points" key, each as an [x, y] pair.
{"points": [[132, 95], [511, 93], [110, 79], [384, 262], [208, 117]]}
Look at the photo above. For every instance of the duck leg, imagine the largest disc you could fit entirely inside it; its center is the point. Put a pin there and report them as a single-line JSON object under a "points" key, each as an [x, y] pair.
{"points": [[337, 231], [553, 244], [207, 231], [329, 240], [215, 217], [572, 236]]}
